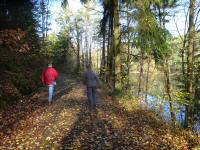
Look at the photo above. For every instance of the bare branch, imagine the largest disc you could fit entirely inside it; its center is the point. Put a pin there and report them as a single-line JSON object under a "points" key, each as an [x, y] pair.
{"points": [[178, 29], [186, 20], [93, 9]]}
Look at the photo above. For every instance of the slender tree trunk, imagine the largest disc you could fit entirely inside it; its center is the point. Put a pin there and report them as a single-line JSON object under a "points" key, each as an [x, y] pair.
{"points": [[97, 59], [47, 18], [190, 65], [103, 60], [111, 52], [78, 54], [90, 52], [141, 73], [128, 61], [168, 91], [42, 7], [86, 34], [86, 48], [162, 15], [83, 54], [128, 57], [100, 57], [108, 54], [183, 60], [147, 78]]}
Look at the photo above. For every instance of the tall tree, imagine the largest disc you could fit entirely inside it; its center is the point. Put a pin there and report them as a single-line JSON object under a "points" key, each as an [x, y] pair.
{"points": [[190, 64], [44, 15], [78, 33], [103, 33], [162, 13], [116, 44]]}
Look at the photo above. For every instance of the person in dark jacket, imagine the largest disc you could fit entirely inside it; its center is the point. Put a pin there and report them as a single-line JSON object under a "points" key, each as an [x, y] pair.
{"points": [[49, 77], [91, 80]]}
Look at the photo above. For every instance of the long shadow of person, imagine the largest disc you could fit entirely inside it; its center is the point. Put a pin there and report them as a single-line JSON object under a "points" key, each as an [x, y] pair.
{"points": [[88, 132], [91, 131]]}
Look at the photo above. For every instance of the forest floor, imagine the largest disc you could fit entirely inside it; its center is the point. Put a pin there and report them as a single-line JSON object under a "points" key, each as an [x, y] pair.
{"points": [[69, 124]]}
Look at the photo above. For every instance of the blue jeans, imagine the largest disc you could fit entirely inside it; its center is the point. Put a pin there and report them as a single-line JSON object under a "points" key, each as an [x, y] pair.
{"points": [[51, 89], [91, 94]]}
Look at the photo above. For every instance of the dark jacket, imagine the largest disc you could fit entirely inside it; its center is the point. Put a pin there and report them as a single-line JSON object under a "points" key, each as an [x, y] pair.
{"points": [[90, 78]]}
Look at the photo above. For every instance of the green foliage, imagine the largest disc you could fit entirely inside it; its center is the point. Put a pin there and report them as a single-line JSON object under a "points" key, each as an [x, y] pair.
{"points": [[59, 49], [129, 104], [47, 49], [151, 38], [115, 93], [181, 98], [24, 84]]}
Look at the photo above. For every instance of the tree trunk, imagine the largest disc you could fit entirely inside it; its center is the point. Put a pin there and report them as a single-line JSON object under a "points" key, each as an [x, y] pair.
{"points": [[167, 69], [86, 35], [190, 65], [103, 60], [47, 19], [90, 52], [168, 91], [147, 78], [86, 49], [83, 58], [42, 7], [78, 54], [141, 73], [97, 58], [116, 41], [128, 57], [183, 60], [110, 57], [108, 54]]}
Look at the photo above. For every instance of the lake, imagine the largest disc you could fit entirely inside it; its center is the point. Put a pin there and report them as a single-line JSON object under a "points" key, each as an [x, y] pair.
{"points": [[162, 106]]}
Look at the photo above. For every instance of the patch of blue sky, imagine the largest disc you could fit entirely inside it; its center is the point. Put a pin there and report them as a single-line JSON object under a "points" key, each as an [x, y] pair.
{"points": [[176, 24]]}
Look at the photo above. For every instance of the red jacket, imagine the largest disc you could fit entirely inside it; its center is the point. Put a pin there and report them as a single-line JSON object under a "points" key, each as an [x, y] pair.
{"points": [[49, 75]]}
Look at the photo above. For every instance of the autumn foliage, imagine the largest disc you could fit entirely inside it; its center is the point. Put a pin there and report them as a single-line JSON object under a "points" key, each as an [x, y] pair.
{"points": [[16, 57], [69, 124], [13, 39]]}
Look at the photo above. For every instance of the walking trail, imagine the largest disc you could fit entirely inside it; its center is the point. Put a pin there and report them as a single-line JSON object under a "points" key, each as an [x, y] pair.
{"points": [[68, 124]]}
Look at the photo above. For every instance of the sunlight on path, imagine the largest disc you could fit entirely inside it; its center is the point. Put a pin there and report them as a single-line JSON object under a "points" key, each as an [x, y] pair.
{"points": [[69, 124], [45, 128]]}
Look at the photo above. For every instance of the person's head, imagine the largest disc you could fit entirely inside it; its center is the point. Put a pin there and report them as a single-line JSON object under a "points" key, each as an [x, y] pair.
{"points": [[50, 65], [88, 66]]}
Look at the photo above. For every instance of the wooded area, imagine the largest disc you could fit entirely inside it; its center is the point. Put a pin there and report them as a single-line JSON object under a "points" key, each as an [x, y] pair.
{"points": [[127, 43]]}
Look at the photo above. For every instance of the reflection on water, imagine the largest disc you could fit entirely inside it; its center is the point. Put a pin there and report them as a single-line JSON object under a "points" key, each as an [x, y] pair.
{"points": [[157, 88], [163, 107]]}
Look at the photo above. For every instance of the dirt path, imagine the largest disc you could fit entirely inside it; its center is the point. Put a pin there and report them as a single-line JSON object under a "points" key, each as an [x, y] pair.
{"points": [[37, 125], [68, 124]]}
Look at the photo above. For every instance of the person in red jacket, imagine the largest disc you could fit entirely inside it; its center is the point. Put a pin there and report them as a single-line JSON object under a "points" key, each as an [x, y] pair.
{"points": [[49, 77]]}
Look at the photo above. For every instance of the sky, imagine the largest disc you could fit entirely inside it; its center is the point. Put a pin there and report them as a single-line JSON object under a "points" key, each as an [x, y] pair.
{"points": [[177, 17], [176, 22], [55, 6]]}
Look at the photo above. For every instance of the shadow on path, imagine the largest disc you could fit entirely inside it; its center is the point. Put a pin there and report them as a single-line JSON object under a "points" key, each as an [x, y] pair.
{"points": [[112, 127]]}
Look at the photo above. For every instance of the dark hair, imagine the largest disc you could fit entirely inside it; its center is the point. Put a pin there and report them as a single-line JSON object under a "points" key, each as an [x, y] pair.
{"points": [[88, 66]]}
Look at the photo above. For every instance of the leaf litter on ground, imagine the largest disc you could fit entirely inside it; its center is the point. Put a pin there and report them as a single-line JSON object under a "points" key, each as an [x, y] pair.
{"points": [[69, 124]]}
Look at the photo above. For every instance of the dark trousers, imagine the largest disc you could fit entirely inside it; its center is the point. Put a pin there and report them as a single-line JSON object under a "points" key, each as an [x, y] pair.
{"points": [[91, 94]]}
